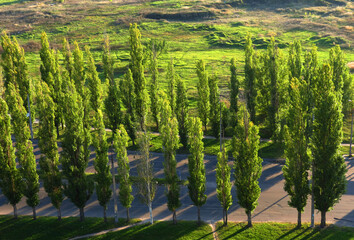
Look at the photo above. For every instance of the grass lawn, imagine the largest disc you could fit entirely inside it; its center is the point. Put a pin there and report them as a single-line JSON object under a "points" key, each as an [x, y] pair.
{"points": [[282, 231], [163, 230], [50, 228]]}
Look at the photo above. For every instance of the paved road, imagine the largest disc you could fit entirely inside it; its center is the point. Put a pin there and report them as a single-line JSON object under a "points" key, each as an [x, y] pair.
{"points": [[272, 202]]}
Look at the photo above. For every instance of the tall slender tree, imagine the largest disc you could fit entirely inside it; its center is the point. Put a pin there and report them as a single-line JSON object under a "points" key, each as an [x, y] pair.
{"points": [[197, 179], [223, 183], [78, 74], [68, 58], [182, 111], [203, 93], [93, 82], [24, 148], [137, 69], [297, 152], [234, 90], [295, 60], [125, 191], [49, 161], [146, 183], [10, 178], [250, 77], [247, 163], [214, 98], [329, 166], [170, 142], [74, 158], [153, 67]]}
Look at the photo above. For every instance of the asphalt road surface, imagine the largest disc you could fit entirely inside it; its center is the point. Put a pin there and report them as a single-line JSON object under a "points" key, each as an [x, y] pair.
{"points": [[272, 205]]}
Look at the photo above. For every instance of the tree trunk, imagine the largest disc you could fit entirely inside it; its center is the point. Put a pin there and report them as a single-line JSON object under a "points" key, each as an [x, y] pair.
{"points": [[225, 217], [128, 217], [105, 214], [82, 214], [174, 217], [15, 211], [199, 221], [151, 217], [59, 214], [34, 213], [299, 219], [249, 219], [323, 219]]}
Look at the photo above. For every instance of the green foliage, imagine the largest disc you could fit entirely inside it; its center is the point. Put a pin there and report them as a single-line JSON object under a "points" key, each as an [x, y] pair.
{"points": [[113, 105], [10, 179], [203, 93], [93, 82], [24, 146], [153, 67], [182, 110], [214, 99], [68, 58], [15, 67], [47, 141], [74, 157], [78, 74], [250, 78], [120, 145], [295, 60], [329, 166], [247, 163], [103, 175], [137, 69], [197, 179], [108, 61], [297, 153], [223, 184], [164, 109]]}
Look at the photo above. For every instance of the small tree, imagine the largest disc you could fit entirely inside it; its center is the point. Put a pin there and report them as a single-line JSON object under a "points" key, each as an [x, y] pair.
{"points": [[197, 179], [146, 183], [203, 93], [329, 166], [24, 147], [296, 150], [182, 111], [10, 178], [49, 160], [248, 166], [120, 145], [223, 184]]}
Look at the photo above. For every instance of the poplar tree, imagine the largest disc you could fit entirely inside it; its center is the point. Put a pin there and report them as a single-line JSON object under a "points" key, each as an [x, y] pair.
{"points": [[171, 92], [182, 111], [24, 148], [137, 69], [203, 93], [165, 111], [250, 78], [197, 179], [113, 100], [170, 142], [247, 163], [78, 74], [234, 90], [10, 178], [297, 152], [146, 182], [223, 183], [214, 98], [74, 157], [49, 160], [68, 58], [103, 175], [120, 143], [295, 60], [329, 166], [128, 99]]}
